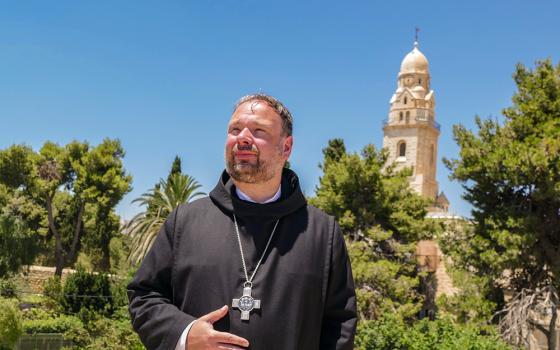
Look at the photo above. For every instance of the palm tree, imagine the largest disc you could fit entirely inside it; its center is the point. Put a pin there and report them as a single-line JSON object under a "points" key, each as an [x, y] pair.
{"points": [[160, 202]]}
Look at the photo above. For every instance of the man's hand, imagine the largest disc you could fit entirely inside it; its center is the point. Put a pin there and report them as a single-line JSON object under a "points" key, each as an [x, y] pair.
{"points": [[202, 335]]}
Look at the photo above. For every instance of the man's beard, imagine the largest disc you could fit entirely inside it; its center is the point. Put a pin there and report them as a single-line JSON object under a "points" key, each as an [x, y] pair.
{"points": [[254, 173]]}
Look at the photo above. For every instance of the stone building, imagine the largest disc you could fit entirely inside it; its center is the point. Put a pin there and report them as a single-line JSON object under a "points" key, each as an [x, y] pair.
{"points": [[411, 133]]}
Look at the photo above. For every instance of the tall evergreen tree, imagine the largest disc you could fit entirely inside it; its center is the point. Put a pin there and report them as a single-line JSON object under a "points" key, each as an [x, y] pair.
{"points": [[175, 167], [510, 173], [382, 220]]}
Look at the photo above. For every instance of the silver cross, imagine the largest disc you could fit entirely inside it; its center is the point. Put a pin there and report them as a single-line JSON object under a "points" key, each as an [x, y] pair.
{"points": [[246, 303]]}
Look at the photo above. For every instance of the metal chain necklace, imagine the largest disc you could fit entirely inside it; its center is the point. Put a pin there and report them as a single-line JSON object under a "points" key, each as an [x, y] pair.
{"points": [[247, 303]]}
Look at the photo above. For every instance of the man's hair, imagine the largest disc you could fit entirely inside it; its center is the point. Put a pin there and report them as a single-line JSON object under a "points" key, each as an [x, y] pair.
{"points": [[278, 106]]}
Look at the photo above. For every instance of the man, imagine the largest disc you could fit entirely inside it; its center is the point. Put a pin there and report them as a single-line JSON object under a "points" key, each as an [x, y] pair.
{"points": [[252, 265]]}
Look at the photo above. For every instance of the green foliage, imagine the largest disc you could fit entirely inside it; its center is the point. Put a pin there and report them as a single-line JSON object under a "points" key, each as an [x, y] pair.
{"points": [[70, 191], [52, 291], [18, 244], [175, 167], [10, 323], [71, 327], [8, 288], [92, 327], [385, 284], [471, 303], [511, 175], [382, 220], [113, 334], [474, 301], [59, 324], [87, 292], [160, 202], [391, 333]]}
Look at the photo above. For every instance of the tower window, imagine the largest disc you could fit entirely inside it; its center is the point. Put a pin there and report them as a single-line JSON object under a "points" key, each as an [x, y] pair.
{"points": [[402, 149], [407, 116], [401, 116], [405, 100], [419, 81]]}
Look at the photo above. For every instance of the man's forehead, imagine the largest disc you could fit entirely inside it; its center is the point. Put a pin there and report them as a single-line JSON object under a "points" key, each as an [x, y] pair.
{"points": [[254, 106], [258, 108]]}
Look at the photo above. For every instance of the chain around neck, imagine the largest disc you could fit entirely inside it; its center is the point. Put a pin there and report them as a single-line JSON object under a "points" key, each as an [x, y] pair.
{"points": [[247, 279]]}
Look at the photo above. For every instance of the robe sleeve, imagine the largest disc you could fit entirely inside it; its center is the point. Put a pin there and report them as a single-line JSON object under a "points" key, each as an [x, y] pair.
{"points": [[157, 321], [340, 315]]}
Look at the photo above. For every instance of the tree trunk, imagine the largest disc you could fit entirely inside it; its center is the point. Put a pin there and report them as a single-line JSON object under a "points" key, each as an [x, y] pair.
{"points": [[105, 252], [552, 344], [77, 234], [58, 246]]}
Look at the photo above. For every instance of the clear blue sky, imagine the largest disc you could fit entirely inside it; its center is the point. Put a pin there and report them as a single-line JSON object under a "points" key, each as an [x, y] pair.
{"points": [[162, 76]]}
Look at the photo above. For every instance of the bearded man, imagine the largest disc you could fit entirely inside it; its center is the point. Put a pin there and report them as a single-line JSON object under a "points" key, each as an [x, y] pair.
{"points": [[252, 266]]}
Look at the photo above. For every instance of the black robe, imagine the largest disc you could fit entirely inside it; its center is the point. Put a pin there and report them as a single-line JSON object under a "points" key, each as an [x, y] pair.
{"points": [[194, 267]]}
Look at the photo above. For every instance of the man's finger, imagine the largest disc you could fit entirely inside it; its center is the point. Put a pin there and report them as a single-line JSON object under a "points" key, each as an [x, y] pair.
{"points": [[215, 315], [229, 347], [228, 338]]}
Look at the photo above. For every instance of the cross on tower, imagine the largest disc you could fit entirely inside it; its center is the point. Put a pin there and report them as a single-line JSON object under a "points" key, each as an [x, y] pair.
{"points": [[416, 34]]}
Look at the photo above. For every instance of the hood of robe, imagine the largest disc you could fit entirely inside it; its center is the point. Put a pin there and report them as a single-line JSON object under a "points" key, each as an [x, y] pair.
{"points": [[291, 199]]}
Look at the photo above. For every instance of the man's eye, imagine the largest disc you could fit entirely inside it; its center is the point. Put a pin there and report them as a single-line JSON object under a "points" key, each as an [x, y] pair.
{"points": [[234, 131]]}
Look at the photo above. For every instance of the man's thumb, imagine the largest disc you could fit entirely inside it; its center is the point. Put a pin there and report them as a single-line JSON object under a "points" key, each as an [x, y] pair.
{"points": [[215, 315]]}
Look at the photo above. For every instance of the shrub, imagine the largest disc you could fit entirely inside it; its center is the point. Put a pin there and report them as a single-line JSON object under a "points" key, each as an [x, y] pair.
{"points": [[70, 326], [8, 288], [10, 323], [391, 333], [89, 291], [52, 290], [59, 324], [113, 334]]}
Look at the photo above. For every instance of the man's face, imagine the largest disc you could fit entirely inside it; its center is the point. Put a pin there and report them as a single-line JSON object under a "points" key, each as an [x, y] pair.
{"points": [[256, 147]]}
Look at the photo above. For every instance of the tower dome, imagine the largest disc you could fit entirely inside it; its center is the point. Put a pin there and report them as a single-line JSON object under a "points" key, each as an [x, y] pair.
{"points": [[415, 62]]}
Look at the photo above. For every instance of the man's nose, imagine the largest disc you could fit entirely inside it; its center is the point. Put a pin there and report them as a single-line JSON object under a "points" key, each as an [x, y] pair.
{"points": [[245, 136]]}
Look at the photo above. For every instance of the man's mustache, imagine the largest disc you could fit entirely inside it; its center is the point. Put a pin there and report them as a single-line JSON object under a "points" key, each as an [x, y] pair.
{"points": [[251, 148]]}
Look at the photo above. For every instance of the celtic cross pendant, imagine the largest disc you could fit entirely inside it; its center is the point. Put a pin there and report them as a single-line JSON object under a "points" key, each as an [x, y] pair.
{"points": [[246, 303]]}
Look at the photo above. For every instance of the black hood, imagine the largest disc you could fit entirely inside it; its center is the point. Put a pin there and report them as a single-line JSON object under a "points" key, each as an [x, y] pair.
{"points": [[291, 199]]}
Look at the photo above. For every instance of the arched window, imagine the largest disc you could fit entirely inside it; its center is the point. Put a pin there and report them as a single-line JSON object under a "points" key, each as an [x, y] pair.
{"points": [[407, 116], [401, 116], [402, 149], [419, 81], [405, 100]]}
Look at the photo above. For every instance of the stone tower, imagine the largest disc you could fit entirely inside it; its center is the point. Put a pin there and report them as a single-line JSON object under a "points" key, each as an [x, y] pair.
{"points": [[410, 133]]}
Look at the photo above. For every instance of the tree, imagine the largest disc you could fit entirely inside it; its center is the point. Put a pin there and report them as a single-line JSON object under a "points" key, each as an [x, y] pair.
{"points": [[510, 173], [18, 243], [10, 323], [382, 220], [160, 202], [66, 182], [175, 167]]}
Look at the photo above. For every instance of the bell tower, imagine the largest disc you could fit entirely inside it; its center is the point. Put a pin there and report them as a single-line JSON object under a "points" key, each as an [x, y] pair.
{"points": [[410, 133]]}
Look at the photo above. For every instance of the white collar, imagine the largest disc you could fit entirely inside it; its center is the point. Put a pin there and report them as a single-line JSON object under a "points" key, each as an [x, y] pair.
{"points": [[245, 197]]}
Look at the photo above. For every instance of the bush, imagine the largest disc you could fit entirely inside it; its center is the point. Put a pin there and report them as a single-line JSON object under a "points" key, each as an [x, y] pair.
{"points": [[391, 333], [113, 334], [8, 288], [87, 291], [70, 326], [10, 323], [383, 334], [52, 290], [59, 324]]}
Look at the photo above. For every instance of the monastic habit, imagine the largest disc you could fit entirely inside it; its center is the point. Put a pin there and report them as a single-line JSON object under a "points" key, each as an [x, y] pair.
{"points": [[304, 287]]}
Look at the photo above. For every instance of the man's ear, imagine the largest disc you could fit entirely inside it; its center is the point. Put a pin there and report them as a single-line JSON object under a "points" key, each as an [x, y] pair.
{"points": [[288, 143]]}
